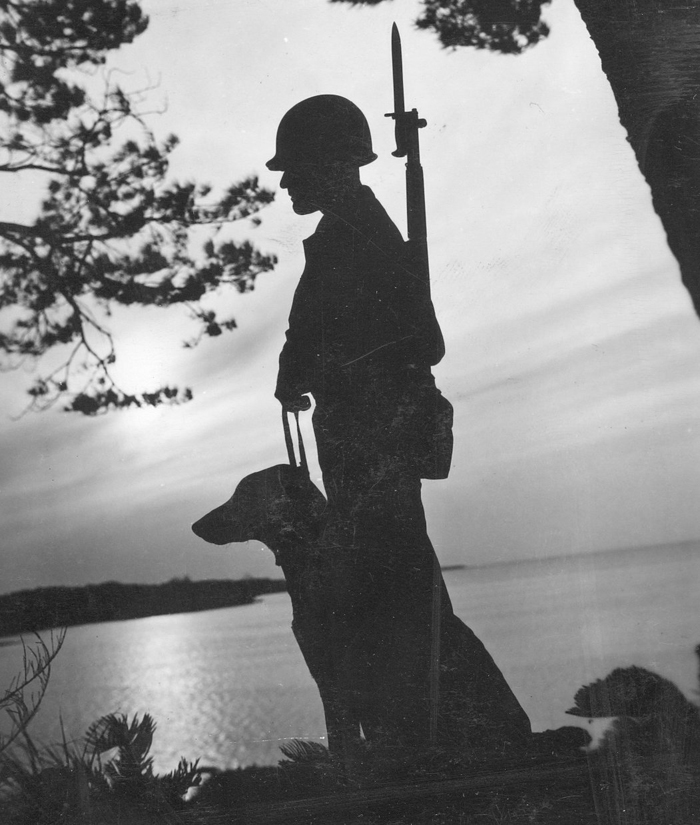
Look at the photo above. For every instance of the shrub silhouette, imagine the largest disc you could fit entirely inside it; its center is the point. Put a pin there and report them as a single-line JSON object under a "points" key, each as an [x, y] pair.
{"points": [[109, 779], [647, 766]]}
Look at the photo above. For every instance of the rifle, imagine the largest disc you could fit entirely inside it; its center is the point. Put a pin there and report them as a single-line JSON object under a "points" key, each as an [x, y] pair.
{"points": [[406, 129]]}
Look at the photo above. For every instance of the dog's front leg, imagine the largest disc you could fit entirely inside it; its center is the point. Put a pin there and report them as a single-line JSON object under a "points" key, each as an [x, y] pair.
{"points": [[342, 721]]}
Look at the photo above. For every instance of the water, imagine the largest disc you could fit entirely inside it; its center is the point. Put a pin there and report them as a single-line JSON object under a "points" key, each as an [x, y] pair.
{"points": [[229, 686]]}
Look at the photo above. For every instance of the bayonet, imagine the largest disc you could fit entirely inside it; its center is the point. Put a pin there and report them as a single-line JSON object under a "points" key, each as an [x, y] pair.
{"points": [[399, 112], [407, 124]]}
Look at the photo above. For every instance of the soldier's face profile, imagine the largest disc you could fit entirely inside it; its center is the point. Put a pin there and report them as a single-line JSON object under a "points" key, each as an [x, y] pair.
{"points": [[305, 186], [313, 187]]}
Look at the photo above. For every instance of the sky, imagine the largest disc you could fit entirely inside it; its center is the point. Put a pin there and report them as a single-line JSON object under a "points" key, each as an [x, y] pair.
{"points": [[573, 354]]}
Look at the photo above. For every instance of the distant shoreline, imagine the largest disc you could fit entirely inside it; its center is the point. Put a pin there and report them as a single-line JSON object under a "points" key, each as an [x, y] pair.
{"points": [[44, 608]]}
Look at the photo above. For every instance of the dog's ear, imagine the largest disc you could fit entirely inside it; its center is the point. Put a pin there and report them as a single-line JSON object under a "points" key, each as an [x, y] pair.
{"points": [[304, 503]]}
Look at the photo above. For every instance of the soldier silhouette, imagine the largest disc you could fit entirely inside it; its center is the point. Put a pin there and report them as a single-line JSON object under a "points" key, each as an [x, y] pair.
{"points": [[362, 339]]}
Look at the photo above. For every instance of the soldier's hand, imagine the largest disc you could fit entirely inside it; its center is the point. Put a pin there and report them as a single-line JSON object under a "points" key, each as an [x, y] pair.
{"points": [[295, 403]]}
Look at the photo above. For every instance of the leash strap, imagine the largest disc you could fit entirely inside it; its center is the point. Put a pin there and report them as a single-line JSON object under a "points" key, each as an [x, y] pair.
{"points": [[288, 439], [302, 452], [290, 444]]}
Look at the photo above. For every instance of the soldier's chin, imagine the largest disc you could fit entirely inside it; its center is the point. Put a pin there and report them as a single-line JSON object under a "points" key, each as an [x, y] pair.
{"points": [[303, 207]]}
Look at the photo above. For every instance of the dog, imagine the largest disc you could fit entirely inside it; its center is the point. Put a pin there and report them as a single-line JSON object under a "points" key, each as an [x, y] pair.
{"points": [[362, 693]]}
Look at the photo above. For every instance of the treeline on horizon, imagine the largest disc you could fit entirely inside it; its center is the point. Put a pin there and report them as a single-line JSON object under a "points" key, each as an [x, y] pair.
{"points": [[43, 608]]}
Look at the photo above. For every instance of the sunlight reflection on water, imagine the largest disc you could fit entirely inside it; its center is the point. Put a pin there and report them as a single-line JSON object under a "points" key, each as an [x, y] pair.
{"points": [[223, 685], [228, 686]]}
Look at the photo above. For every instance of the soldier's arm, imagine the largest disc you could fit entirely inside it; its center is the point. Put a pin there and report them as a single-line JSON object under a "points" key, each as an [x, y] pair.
{"points": [[299, 353]]}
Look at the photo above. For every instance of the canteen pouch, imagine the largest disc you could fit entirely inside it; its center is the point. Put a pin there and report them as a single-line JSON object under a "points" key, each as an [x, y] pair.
{"points": [[436, 444], [428, 426]]}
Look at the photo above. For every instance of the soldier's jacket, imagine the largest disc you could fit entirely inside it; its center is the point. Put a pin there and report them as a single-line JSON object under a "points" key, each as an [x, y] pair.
{"points": [[359, 315]]}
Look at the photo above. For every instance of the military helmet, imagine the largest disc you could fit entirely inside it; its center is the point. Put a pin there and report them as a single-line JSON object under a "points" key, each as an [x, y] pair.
{"points": [[322, 129]]}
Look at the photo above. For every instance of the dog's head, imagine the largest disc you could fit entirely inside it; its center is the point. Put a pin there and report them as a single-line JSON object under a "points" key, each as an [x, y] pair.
{"points": [[279, 506]]}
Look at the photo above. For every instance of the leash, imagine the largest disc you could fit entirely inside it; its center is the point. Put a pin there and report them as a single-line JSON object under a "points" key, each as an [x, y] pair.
{"points": [[303, 464]]}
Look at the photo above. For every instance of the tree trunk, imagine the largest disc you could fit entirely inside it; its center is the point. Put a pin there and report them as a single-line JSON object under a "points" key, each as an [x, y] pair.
{"points": [[650, 52]]}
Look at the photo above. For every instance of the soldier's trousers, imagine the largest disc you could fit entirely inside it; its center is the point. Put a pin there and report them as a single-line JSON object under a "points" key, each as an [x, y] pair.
{"points": [[377, 574], [377, 580]]}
